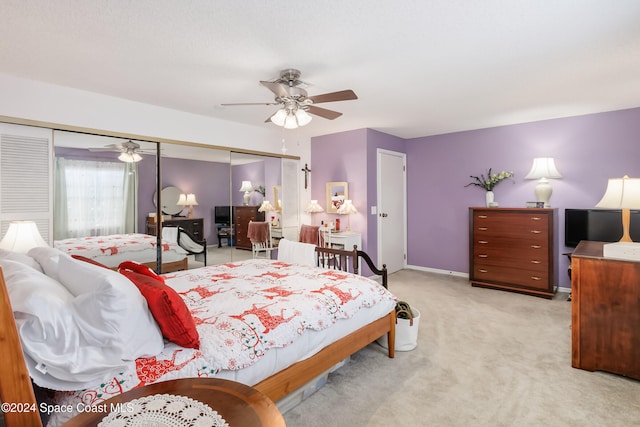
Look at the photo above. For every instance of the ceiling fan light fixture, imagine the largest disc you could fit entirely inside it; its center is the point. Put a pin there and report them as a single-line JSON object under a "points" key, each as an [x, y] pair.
{"points": [[129, 157], [279, 117], [303, 117], [290, 122]]}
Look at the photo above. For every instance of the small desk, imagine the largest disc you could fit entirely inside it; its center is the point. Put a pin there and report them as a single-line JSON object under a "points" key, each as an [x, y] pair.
{"points": [[238, 404], [343, 239]]}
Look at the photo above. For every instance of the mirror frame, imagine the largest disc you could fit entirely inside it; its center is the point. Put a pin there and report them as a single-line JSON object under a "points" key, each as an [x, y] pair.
{"points": [[334, 188]]}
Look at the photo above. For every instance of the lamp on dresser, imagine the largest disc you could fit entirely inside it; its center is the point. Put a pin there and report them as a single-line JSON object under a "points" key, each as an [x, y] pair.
{"points": [[622, 193], [188, 200], [542, 169], [247, 188]]}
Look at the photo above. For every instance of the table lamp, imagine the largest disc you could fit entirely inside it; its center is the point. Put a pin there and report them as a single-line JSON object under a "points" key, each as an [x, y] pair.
{"points": [[542, 169], [313, 207], [622, 193], [247, 188], [22, 236], [347, 208]]}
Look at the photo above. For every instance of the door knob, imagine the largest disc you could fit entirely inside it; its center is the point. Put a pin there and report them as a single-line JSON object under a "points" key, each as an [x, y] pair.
{"points": [[384, 215]]}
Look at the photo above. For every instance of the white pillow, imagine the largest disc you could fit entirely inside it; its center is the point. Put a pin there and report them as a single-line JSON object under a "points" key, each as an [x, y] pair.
{"points": [[48, 258], [22, 258], [54, 347], [110, 310]]}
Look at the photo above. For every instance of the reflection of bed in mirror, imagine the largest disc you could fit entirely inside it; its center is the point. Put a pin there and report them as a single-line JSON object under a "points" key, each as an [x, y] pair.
{"points": [[113, 249]]}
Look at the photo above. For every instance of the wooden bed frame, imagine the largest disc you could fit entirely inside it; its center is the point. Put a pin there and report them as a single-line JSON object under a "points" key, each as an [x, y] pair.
{"points": [[16, 386]]}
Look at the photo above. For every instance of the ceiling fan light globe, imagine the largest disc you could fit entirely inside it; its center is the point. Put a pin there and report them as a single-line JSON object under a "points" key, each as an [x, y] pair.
{"points": [[279, 117], [303, 117], [290, 122]]}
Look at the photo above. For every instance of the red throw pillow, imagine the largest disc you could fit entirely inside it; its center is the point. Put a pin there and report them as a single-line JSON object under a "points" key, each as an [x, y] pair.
{"points": [[167, 307], [89, 260], [140, 268]]}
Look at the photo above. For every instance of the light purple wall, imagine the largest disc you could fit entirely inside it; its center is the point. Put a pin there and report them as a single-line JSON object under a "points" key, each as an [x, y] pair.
{"points": [[587, 149]]}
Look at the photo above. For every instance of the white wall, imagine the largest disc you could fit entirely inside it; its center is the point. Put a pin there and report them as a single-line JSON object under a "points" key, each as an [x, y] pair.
{"points": [[33, 100]]}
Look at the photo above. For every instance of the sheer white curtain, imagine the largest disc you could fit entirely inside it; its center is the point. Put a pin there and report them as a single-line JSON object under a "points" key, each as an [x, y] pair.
{"points": [[94, 198]]}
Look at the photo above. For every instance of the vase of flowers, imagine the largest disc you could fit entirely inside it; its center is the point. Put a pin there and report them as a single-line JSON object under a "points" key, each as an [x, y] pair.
{"points": [[488, 182]]}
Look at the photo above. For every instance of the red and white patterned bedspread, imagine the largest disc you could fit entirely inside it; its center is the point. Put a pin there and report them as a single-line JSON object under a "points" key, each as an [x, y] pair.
{"points": [[241, 311], [115, 244]]}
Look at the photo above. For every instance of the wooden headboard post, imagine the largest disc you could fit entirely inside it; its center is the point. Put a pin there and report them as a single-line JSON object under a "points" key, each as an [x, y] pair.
{"points": [[16, 389]]}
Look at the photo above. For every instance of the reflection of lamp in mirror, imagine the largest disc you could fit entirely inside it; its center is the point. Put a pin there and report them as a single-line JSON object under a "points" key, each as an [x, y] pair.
{"points": [[622, 193], [188, 200], [22, 236], [313, 207], [129, 157], [347, 208], [542, 169], [266, 206], [247, 188]]}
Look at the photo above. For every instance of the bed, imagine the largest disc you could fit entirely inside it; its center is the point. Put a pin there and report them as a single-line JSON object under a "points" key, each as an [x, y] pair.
{"points": [[111, 250], [288, 323]]}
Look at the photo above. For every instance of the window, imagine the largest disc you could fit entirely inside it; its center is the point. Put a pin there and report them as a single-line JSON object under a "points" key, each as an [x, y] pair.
{"points": [[93, 197]]}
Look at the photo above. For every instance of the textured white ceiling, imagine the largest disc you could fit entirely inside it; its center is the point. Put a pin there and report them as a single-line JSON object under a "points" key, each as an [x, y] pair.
{"points": [[419, 67]]}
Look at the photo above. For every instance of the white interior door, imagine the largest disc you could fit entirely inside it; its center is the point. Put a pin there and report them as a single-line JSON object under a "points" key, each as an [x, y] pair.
{"points": [[392, 209]]}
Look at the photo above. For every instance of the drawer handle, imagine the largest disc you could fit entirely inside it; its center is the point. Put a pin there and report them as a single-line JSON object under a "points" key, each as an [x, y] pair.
{"points": [[536, 246], [536, 231], [482, 270], [483, 256], [535, 261], [536, 278], [482, 216], [536, 218], [482, 228], [482, 242]]}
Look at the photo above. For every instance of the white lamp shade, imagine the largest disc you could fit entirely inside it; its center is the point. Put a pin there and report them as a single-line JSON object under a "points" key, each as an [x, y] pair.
{"points": [[290, 121], [543, 167], [279, 116], [303, 117], [129, 157], [621, 193], [266, 206], [313, 207], [246, 186], [347, 208], [22, 236], [182, 200], [191, 200]]}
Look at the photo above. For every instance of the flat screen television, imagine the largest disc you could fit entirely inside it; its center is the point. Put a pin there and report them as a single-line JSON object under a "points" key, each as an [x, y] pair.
{"points": [[223, 215], [601, 225]]}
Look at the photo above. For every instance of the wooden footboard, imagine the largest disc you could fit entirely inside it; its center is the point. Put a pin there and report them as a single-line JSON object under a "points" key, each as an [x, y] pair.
{"points": [[295, 376]]}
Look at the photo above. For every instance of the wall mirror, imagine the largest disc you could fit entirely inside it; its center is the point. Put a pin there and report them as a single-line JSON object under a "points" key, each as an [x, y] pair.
{"points": [[337, 193], [212, 174]]}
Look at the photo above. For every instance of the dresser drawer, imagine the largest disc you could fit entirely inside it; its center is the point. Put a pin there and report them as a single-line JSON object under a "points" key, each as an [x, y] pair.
{"points": [[513, 249], [513, 276]]}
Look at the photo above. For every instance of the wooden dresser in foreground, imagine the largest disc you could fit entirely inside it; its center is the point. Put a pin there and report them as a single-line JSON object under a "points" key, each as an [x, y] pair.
{"points": [[513, 249], [605, 312]]}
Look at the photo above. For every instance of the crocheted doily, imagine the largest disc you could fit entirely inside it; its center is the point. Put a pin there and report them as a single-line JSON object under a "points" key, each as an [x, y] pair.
{"points": [[163, 410]]}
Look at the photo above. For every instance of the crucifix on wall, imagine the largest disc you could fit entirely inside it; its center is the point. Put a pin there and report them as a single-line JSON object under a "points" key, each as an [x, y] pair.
{"points": [[306, 171]]}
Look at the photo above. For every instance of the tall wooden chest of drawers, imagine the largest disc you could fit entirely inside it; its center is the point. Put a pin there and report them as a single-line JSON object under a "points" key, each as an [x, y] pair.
{"points": [[243, 215], [513, 249]]}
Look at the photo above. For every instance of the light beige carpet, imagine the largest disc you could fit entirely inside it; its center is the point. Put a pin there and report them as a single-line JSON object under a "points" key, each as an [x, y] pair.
{"points": [[484, 358]]}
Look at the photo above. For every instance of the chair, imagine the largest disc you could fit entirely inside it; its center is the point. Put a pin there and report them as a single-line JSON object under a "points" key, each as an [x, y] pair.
{"points": [[186, 241], [259, 233], [193, 246], [309, 234]]}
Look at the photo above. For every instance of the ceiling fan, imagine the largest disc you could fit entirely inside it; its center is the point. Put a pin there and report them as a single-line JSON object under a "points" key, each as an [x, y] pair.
{"points": [[296, 104], [129, 151]]}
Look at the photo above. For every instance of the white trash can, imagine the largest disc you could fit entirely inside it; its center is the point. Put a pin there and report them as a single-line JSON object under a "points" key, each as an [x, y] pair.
{"points": [[406, 333]]}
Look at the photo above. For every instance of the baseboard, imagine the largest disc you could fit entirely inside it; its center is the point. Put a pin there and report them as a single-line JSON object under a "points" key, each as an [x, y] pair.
{"points": [[438, 271]]}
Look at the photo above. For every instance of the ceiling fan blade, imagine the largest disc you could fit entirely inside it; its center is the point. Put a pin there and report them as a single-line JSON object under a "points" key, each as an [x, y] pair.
{"points": [[343, 95], [249, 103], [105, 149], [278, 89], [323, 112]]}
